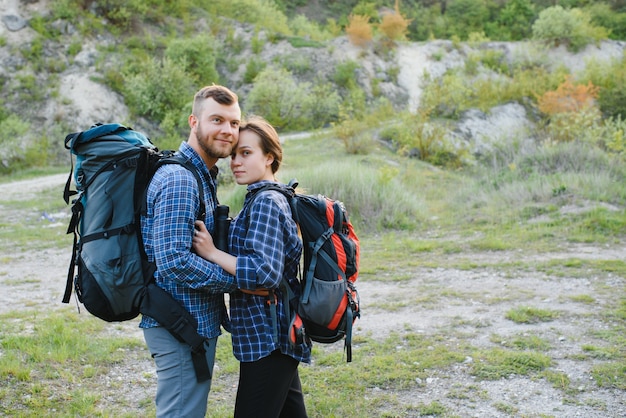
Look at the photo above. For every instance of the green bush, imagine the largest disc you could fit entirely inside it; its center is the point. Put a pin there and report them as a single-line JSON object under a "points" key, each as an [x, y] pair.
{"points": [[157, 88], [417, 136], [466, 16], [264, 13], [253, 68], [612, 135], [277, 97], [446, 96], [570, 27], [322, 105], [12, 141], [514, 22], [611, 80], [41, 25], [344, 74], [303, 27], [298, 64], [571, 126], [602, 15], [65, 9], [494, 60], [196, 56]]}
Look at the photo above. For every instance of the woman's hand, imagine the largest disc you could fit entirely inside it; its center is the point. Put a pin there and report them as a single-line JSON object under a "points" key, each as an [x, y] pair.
{"points": [[203, 242], [203, 245]]}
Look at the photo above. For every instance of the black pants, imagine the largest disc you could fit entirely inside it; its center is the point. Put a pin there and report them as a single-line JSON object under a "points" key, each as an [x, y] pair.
{"points": [[269, 388]]}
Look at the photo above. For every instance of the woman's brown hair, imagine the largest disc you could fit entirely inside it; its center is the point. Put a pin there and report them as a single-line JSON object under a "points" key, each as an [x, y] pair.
{"points": [[270, 143]]}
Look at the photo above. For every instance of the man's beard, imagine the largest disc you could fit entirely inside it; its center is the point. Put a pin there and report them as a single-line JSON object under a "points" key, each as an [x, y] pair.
{"points": [[208, 145]]}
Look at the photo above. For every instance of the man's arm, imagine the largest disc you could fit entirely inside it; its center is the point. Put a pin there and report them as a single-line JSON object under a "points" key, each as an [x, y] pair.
{"points": [[175, 207]]}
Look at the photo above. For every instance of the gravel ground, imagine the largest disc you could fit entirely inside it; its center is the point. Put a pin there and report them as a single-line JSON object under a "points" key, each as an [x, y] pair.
{"points": [[468, 305]]}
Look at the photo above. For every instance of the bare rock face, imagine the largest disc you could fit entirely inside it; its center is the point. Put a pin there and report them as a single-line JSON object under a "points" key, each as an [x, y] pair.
{"points": [[508, 122], [90, 102]]}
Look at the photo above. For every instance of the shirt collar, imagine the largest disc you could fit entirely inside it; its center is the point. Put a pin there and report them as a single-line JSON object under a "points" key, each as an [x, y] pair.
{"points": [[186, 150]]}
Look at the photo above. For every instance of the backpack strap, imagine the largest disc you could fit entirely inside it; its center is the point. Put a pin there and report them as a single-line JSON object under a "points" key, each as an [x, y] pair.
{"points": [[176, 319], [288, 294], [186, 162]]}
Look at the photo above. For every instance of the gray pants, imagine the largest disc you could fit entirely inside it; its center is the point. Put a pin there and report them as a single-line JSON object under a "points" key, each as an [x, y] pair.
{"points": [[178, 392]]}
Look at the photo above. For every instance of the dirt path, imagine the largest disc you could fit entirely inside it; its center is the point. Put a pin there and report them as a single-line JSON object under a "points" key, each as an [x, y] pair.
{"points": [[457, 305]]}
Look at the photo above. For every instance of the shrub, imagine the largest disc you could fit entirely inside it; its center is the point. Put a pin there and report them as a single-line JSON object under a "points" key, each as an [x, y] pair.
{"points": [[323, 104], [494, 60], [344, 74], [298, 64], [611, 79], [288, 105], [158, 88], [612, 135], [419, 137], [570, 126], [394, 25], [603, 15], [359, 30], [568, 97], [353, 133], [64, 9], [465, 17], [125, 14], [515, 21], [571, 109], [12, 141], [354, 105], [303, 27], [572, 28], [253, 68], [43, 28], [196, 56], [446, 96], [367, 9]]}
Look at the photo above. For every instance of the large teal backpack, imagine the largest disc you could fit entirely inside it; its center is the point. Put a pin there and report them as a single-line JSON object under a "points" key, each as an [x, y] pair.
{"points": [[115, 281]]}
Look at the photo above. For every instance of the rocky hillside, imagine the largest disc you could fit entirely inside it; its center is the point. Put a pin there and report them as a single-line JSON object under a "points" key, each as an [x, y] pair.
{"points": [[70, 95]]}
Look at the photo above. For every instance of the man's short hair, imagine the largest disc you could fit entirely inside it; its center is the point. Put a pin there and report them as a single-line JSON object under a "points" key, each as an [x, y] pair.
{"points": [[220, 94]]}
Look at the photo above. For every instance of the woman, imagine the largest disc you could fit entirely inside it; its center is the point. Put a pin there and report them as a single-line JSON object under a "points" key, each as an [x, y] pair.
{"points": [[265, 247]]}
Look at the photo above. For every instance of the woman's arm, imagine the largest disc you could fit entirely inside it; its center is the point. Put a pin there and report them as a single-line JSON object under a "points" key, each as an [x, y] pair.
{"points": [[205, 248]]}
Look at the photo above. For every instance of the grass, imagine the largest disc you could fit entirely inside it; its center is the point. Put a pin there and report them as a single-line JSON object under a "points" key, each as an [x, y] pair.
{"points": [[44, 354], [530, 315], [35, 224], [411, 219], [494, 364]]}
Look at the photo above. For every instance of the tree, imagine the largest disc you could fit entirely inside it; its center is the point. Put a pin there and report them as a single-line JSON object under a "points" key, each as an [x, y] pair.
{"points": [[573, 28], [466, 16], [516, 19], [394, 25], [359, 30]]}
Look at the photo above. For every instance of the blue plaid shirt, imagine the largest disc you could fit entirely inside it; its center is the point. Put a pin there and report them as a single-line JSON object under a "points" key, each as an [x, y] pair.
{"points": [[265, 240], [167, 228]]}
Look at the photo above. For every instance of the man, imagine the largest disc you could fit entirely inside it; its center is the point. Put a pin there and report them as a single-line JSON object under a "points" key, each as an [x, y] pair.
{"points": [[173, 203]]}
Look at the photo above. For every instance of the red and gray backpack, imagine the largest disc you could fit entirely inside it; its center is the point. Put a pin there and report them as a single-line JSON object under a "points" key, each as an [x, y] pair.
{"points": [[329, 302]]}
